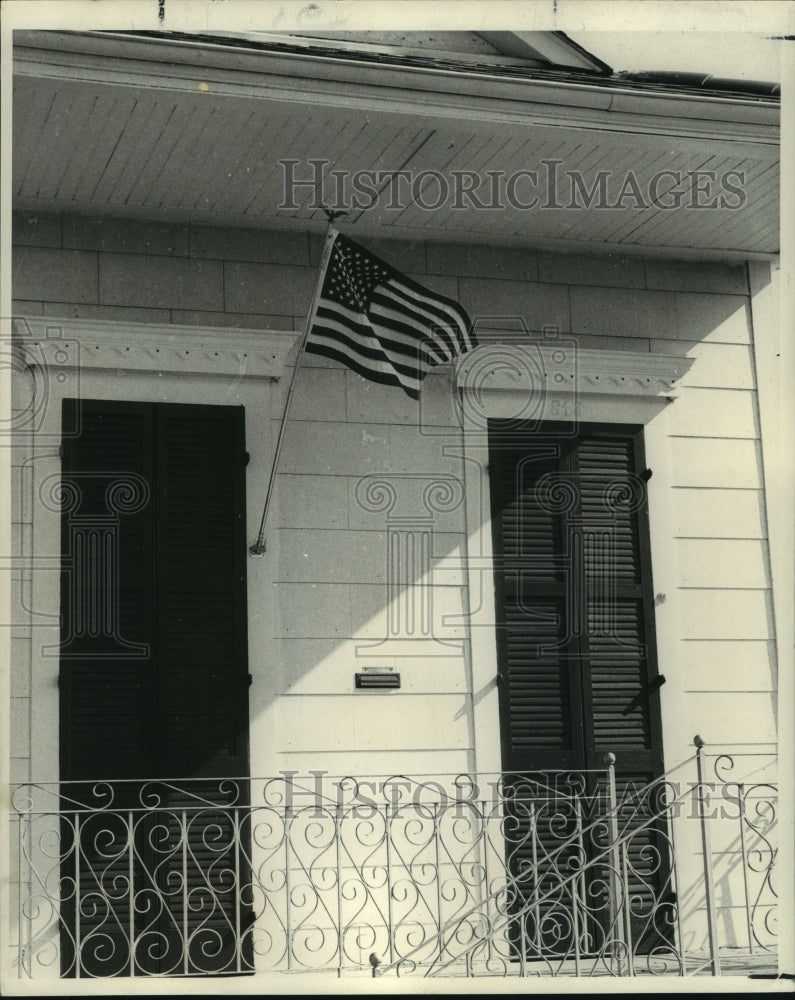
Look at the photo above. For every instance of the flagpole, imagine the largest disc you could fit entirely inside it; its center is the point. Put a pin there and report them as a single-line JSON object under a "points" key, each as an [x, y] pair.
{"points": [[258, 548]]}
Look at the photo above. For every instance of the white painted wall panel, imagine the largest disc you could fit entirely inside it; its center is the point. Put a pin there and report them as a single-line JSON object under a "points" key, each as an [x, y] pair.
{"points": [[726, 614], [317, 556], [735, 717], [723, 563], [319, 394], [312, 610], [328, 666], [711, 319], [723, 665], [335, 449], [374, 721], [373, 761], [373, 618], [705, 462], [717, 513], [309, 501], [714, 413], [716, 366]]}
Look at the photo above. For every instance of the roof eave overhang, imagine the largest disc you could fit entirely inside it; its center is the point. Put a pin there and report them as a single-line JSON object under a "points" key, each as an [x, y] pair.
{"points": [[316, 79]]}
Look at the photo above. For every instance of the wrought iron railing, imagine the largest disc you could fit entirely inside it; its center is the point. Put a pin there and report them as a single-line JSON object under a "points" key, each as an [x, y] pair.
{"points": [[544, 873], [607, 901]]}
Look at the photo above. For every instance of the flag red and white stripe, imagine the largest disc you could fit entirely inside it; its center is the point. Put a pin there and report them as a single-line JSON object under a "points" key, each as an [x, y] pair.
{"points": [[382, 324]]}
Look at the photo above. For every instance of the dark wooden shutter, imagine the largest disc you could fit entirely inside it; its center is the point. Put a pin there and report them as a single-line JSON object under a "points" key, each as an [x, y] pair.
{"points": [[108, 660], [573, 586], [201, 606], [164, 694], [154, 678], [575, 632], [539, 691]]}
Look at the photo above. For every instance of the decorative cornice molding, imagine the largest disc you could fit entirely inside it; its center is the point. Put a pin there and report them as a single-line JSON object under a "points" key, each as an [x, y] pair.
{"points": [[560, 367], [62, 343]]}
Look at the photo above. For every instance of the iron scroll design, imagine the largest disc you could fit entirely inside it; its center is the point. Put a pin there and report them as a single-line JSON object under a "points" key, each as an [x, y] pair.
{"points": [[549, 873]]}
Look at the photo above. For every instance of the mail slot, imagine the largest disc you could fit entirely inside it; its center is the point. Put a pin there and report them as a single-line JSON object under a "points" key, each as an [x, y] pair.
{"points": [[379, 680]]}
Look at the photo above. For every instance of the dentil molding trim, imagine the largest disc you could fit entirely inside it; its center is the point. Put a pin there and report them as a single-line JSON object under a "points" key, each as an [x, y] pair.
{"points": [[110, 345], [560, 367]]}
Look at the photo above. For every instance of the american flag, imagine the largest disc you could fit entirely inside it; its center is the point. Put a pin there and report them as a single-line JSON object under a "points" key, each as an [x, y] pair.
{"points": [[382, 324]]}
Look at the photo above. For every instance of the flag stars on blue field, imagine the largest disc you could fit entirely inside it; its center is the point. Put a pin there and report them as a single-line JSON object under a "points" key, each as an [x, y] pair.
{"points": [[352, 276]]}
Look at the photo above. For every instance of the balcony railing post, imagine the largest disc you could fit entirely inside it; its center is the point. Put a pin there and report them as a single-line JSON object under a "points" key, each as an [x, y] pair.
{"points": [[24, 879], [185, 900], [536, 885], [78, 901], [706, 846], [616, 910], [437, 833], [744, 855], [575, 896], [338, 855], [131, 887], [390, 918], [288, 929]]}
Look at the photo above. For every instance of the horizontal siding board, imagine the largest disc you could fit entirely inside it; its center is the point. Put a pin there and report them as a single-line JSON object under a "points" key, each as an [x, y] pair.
{"points": [[247, 321], [167, 282], [715, 463], [335, 449], [282, 289], [581, 269], [36, 229], [48, 275], [312, 610], [714, 413], [475, 260], [421, 455], [375, 721], [370, 613], [318, 394], [717, 513], [119, 314], [720, 319], [409, 494], [620, 312], [114, 235], [20, 668], [432, 762], [696, 276], [20, 727], [722, 562], [368, 401], [715, 366], [731, 717], [722, 614], [328, 666], [310, 502], [723, 665], [318, 556], [538, 304], [249, 244]]}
